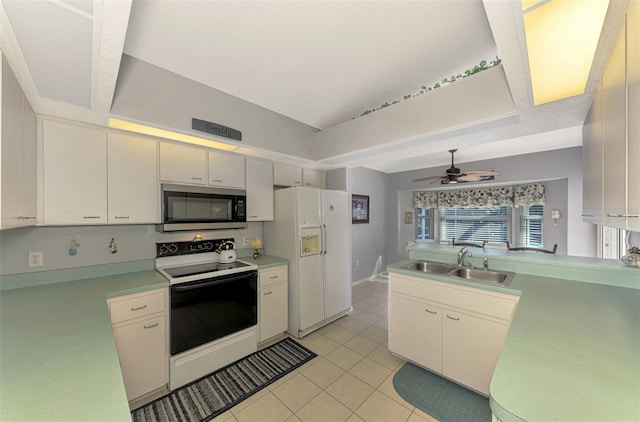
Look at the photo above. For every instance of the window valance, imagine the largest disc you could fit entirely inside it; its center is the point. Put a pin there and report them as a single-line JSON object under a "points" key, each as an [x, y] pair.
{"points": [[519, 195], [423, 199], [528, 195]]}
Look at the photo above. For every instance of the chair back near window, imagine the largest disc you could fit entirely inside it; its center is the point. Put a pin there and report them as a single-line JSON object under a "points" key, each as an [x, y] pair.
{"points": [[469, 244], [530, 249]]}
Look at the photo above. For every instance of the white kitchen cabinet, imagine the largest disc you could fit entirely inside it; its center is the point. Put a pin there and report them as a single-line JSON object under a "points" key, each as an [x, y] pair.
{"points": [[633, 116], [286, 175], [419, 337], [592, 154], [133, 186], [226, 170], [140, 330], [611, 145], [314, 178], [273, 315], [75, 174], [453, 330], [259, 190], [471, 346], [183, 164], [17, 154], [614, 135]]}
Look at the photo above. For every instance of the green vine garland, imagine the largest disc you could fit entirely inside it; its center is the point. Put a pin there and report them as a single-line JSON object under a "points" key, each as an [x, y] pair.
{"points": [[483, 65]]}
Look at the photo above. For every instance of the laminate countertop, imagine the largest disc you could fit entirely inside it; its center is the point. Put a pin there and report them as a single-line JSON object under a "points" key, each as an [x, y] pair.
{"points": [[58, 359], [572, 352]]}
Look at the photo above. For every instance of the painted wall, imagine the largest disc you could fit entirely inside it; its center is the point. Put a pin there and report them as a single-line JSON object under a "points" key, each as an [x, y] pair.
{"points": [[149, 94], [135, 242], [559, 167], [368, 241]]}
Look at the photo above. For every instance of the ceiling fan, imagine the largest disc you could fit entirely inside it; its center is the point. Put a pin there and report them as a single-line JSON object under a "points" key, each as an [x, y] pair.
{"points": [[454, 175]]}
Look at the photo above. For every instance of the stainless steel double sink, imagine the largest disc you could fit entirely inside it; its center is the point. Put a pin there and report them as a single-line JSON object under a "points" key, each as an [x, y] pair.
{"points": [[479, 275]]}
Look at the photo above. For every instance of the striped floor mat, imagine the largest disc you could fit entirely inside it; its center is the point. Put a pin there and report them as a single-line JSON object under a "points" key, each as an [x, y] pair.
{"points": [[212, 395]]}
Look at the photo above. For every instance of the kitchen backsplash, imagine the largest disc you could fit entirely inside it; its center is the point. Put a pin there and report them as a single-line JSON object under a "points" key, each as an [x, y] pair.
{"points": [[94, 245]]}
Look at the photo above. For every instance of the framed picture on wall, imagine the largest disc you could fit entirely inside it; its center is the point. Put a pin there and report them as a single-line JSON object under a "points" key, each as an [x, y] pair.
{"points": [[359, 209], [408, 217]]}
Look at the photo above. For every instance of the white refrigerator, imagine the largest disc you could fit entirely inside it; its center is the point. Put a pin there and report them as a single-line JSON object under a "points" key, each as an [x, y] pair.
{"points": [[312, 230]]}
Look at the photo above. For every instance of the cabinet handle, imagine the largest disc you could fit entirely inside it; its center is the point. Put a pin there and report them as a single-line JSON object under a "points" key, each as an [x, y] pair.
{"points": [[273, 276], [150, 326], [307, 184], [267, 293], [253, 216], [137, 309], [589, 215], [455, 319], [196, 178], [217, 181], [124, 217], [431, 312], [91, 216], [27, 218], [623, 215]]}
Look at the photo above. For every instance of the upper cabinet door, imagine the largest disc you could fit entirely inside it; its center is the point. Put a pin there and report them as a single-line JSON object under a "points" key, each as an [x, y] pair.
{"points": [[133, 179], [75, 174], [285, 175], [259, 190], [226, 170], [615, 136], [12, 149], [183, 164], [314, 178], [592, 163], [29, 170], [633, 111]]}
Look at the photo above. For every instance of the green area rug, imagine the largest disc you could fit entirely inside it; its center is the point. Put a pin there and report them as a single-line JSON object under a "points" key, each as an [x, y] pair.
{"points": [[206, 398], [439, 397]]}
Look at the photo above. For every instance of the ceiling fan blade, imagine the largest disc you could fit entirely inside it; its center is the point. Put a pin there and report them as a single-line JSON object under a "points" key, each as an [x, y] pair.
{"points": [[471, 178], [483, 172], [439, 180], [426, 178]]}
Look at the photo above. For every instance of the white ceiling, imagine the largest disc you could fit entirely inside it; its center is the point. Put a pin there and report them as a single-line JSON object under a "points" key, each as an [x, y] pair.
{"points": [[317, 62]]}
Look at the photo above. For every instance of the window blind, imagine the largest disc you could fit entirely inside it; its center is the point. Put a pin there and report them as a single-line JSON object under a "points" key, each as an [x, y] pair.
{"points": [[476, 224], [531, 226]]}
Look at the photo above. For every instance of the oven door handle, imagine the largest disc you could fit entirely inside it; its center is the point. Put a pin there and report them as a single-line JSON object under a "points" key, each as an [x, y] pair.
{"points": [[209, 282]]}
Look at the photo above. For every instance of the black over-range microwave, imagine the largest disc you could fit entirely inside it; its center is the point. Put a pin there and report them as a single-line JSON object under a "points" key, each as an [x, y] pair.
{"points": [[202, 208]]}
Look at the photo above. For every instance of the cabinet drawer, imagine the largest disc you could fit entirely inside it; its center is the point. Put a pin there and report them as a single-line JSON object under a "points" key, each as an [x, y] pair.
{"points": [[481, 301], [130, 307], [272, 275]]}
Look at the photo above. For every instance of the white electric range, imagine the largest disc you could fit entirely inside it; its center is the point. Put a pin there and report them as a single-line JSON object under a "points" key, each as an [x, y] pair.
{"points": [[213, 317]]}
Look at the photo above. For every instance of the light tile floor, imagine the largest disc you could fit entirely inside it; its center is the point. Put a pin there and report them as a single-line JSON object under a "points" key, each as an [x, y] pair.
{"points": [[350, 380]]}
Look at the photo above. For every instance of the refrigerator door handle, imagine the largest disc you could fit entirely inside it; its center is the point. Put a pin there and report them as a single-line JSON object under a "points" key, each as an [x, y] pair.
{"points": [[324, 238]]}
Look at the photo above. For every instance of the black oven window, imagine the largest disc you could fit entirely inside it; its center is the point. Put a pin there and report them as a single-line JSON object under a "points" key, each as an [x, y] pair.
{"points": [[206, 310]]}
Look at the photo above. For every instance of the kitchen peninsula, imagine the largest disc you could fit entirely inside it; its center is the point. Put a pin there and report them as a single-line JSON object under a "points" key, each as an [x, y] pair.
{"points": [[571, 351], [58, 359]]}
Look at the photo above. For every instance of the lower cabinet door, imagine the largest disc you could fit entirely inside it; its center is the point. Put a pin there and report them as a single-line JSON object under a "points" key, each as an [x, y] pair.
{"points": [[142, 354], [471, 347], [274, 312], [415, 331]]}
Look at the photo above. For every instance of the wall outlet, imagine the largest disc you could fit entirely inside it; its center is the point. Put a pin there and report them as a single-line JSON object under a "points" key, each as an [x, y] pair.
{"points": [[357, 262], [245, 241], [35, 259]]}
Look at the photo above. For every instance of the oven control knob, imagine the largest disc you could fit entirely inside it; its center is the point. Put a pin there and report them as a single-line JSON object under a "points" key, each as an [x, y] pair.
{"points": [[163, 250], [173, 248], [207, 245]]}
